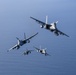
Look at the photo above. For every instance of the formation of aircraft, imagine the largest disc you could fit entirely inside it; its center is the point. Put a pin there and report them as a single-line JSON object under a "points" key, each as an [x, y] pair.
{"points": [[42, 51], [52, 27], [22, 42]]}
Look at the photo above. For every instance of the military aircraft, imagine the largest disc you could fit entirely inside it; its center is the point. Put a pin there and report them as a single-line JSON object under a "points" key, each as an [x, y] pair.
{"points": [[27, 52], [22, 42], [52, 27], [42, 51]]}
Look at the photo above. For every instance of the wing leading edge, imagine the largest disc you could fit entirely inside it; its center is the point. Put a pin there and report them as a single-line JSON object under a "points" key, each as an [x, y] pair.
{"points": [[37, 48], [15, 46], [40, 22], [32, 36]]}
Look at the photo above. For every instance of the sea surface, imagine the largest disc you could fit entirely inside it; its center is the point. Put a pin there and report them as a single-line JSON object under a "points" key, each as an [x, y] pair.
{"points": [[15, 21]]}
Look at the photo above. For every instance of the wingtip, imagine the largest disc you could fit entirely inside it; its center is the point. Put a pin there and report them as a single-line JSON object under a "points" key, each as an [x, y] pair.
{"points": [[7, 50], [31, 17], [47, 55], [34, 47], [68, 36], [37, 32]]}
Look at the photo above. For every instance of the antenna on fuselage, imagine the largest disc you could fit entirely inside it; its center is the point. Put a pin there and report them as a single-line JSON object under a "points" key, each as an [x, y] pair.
{"points": [[46, 19]]}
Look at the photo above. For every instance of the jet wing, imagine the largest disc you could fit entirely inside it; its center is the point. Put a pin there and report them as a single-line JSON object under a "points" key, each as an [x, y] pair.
{"points": [[61, 33], [13, 47], [32, 36], [46, 54], [36, 48], [40, 22]]}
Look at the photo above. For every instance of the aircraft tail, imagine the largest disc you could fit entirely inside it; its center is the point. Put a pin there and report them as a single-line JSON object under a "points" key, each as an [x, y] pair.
{"points": [[46, 19], [24, 36], [40, 47], [18, 40], [45, 48], [56, 22]]}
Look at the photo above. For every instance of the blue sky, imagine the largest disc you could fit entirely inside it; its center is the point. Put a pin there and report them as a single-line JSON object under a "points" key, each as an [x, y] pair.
{"points": [[15, 20]]}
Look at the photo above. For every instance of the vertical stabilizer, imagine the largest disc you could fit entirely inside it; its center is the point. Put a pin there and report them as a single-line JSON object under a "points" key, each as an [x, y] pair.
{"points": [[24, 36], [56, 22], [46, 19], [18, 40], [40, 47]]}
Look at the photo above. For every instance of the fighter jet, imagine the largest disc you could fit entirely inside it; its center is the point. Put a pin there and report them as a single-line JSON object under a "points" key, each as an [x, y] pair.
{"points": [[52, 27], [22, 42], [42, 51], [27, 52]]}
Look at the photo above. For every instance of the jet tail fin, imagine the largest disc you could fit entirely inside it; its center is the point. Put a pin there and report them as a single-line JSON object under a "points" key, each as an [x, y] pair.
{"points": [[56, 22], [24, 36], [46, 19], [17, 38], [40, 47], [45, 48]]}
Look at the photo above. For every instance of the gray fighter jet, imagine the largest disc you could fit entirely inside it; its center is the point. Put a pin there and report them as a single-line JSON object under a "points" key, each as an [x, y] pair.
{"points": [[52, 27], [22, 42], [42, 51], [27, 52]]}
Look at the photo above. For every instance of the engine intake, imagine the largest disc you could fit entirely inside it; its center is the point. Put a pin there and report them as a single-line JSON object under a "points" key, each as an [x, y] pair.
{"points": [[41, 26]]}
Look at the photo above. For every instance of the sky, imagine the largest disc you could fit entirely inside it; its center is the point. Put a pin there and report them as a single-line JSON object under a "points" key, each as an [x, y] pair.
{"points": [[15, 21]]}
